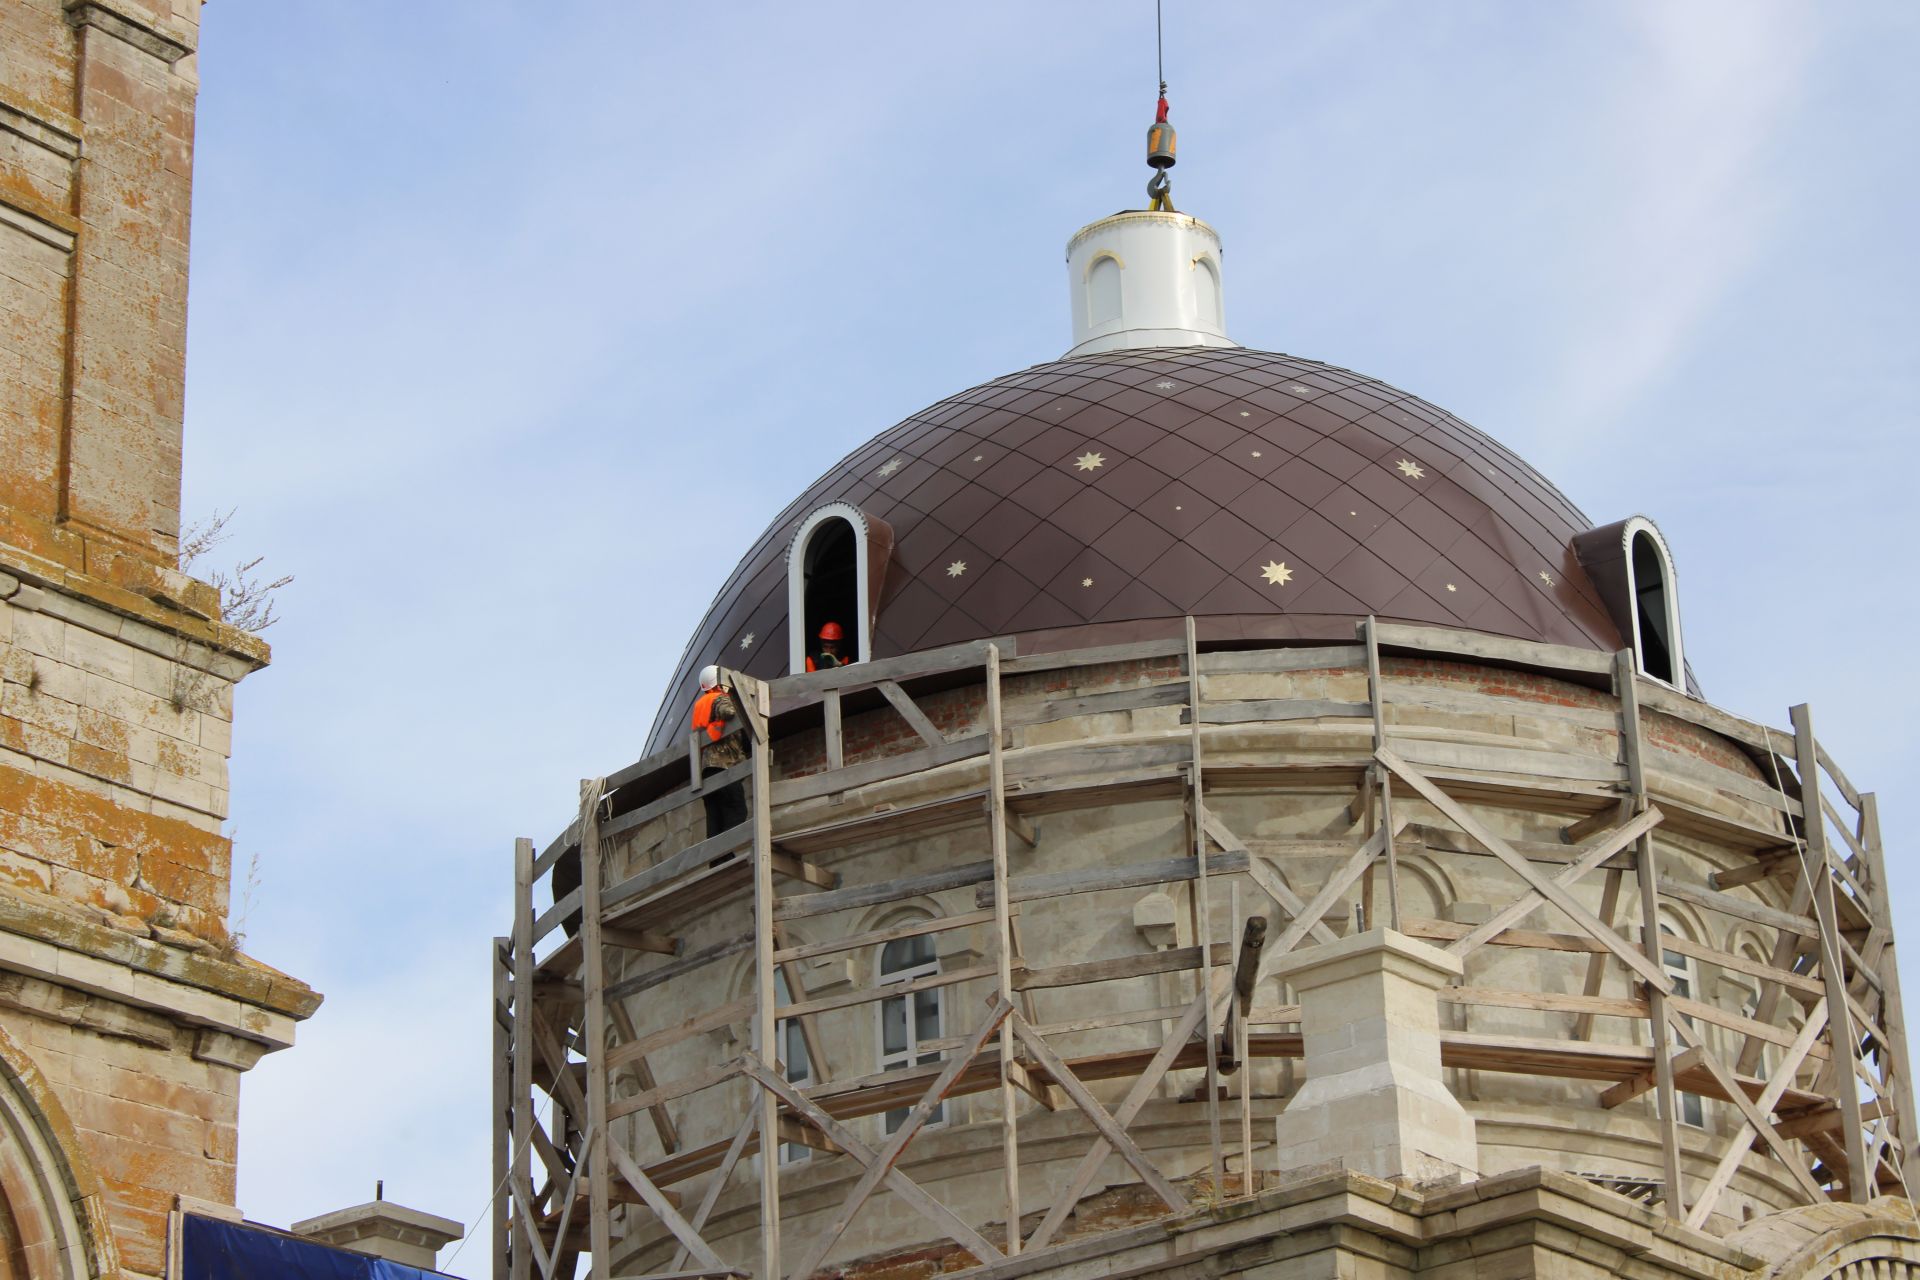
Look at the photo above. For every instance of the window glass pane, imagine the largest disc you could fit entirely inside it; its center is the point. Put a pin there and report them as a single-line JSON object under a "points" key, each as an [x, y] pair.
{"points": [[926, 1015], [794, 1044], [893, 1025]]}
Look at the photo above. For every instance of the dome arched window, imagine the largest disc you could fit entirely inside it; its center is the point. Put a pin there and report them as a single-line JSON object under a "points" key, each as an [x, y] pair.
{"points": [[835, 565], [1630, 566], [1656, 605]]}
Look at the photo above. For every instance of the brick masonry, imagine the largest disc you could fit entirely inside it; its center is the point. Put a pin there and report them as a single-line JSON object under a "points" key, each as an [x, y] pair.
{"points": [[128, 1012]]}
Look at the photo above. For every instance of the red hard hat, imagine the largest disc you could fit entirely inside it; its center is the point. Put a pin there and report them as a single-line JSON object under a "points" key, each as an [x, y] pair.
{"points": [[831, 631]]}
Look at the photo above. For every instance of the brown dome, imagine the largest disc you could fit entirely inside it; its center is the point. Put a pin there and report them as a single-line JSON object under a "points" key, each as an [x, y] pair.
{"points": [[1100, 499]]}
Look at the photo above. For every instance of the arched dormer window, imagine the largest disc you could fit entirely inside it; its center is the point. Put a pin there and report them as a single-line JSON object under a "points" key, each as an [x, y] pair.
{"points": [[1632, 569], [1656, 606], [835, 565]]}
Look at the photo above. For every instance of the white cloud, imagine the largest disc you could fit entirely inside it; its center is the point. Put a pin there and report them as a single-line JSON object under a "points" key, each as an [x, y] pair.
{"points": [[1676, 176]]}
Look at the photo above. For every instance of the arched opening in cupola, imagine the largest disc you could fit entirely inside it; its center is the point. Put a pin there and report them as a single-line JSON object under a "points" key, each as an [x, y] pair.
{"points": [[832, 591], [1656, 612], [830, 581]]}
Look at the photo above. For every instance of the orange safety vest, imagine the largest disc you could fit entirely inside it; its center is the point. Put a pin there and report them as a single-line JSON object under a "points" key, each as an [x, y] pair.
{"points": [[703, 717]]}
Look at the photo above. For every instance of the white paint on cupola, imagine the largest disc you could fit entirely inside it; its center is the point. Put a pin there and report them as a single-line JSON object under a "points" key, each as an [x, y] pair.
{"points": [[1141, 279]]}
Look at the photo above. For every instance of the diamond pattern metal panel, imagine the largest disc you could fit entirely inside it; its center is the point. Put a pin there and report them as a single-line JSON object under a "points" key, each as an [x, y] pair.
{"points": [[1098, 499]]}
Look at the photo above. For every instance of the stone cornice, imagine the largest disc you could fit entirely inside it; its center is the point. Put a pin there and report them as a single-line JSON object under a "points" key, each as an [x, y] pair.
{"points": [[151, 594], [159, 40], [241, 997]]}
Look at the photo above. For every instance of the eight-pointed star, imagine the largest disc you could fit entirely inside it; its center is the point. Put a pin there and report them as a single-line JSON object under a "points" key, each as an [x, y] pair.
{"points": [[1089, 460], [1277, 574]]}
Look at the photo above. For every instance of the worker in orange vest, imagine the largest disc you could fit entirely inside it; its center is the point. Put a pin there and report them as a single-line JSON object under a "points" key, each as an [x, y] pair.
{"points": [[828, 656], [716, 712]]}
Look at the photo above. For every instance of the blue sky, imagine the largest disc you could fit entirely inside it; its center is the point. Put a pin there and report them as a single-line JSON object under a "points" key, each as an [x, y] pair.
{"points": [[512, 325]]}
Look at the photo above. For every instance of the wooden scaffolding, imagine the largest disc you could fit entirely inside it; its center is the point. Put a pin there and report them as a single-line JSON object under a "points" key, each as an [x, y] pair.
{"points": [[1833, 1109]]}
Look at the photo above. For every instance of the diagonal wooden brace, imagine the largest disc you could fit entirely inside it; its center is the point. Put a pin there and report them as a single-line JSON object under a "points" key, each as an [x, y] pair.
{"points": [[1267, 878], [889, 1154], [1742, 1140], [1690, 1036], [663, 1209], [1650, 972], [1137, 1097], [850, 1143], [1090, 1107], [1591, 857]]}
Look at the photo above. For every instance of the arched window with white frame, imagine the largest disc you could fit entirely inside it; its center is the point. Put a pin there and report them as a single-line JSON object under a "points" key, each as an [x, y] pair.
{"points": [[1631, 568], [909, 1022], [834, 564], [1656, 605]]}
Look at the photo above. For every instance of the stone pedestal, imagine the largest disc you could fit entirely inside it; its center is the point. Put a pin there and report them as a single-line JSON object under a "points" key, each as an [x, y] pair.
{"points": [[384, 1229], [1374, 1101]]}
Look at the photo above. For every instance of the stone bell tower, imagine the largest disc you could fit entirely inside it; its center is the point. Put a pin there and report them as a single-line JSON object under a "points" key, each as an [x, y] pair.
{"points": [[127, 1010]]}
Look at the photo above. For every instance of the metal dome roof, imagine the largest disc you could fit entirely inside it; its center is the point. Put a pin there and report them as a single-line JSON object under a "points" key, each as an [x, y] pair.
{"points": [[1099, 499]]}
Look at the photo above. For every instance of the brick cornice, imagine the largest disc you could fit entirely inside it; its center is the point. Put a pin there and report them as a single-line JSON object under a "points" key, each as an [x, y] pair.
{"points": [[130, 26]]}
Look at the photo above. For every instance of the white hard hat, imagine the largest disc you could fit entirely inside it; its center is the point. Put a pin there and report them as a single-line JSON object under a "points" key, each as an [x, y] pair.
{"points": [[709, 677]]}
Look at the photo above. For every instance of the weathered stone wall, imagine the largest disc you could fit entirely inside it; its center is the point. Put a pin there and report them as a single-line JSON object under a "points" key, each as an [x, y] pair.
{"points": [[126, 1006], [96, 112]]}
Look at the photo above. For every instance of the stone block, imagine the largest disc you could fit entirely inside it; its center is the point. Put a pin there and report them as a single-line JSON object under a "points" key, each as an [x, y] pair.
{"points": [[1374, 1101]]}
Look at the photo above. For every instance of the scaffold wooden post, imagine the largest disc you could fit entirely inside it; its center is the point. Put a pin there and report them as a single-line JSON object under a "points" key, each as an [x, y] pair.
{"points": [[1815, 866], [765, 1028], [1003, 948], [594, 1029], [1892, 1014], [520, 1192], [1383, 780], [500, 1210], [1202, 914], [1647, 872], [1242, 1005]]}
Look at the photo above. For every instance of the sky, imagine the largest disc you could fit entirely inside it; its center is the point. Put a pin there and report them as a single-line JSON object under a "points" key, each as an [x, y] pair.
{"points": [[511, 325]]}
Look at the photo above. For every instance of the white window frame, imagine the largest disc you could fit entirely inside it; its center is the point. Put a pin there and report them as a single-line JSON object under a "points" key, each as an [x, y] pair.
{"points": [[786, 1034], [1684, 974], [1634, 528], [797, 582], [909, 1055]]}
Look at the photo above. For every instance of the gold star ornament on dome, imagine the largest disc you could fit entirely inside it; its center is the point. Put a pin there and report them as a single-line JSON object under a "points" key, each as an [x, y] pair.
{"points": [[1277, 574], [957, 568], [1089, 460], [1410, 469]]}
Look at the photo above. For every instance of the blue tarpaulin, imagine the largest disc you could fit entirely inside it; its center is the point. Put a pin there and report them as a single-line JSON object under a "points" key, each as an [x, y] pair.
{"points": [[214, 1250]]}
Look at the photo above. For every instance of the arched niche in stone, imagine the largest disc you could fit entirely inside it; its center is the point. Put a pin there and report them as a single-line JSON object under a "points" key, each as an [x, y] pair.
{"points": [[52, 1222]]}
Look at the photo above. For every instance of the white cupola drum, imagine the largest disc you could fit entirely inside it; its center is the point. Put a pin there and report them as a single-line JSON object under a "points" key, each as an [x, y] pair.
{"points": [[1145, 279]]}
